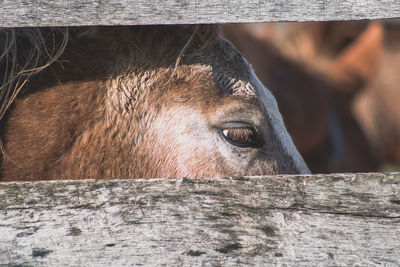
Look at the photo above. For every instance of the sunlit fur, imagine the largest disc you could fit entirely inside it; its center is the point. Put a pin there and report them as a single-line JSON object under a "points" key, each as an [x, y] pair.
{"points": [[145, 101]]}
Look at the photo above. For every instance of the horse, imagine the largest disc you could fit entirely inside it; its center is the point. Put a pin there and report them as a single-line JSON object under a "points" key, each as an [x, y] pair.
{"points": [[376, 107], [362, 60], [135, 102]]}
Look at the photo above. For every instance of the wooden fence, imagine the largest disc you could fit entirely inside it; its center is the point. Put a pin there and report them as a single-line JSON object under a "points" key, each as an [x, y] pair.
{"points": [[336, 220], [16, 13], [344, 219]]}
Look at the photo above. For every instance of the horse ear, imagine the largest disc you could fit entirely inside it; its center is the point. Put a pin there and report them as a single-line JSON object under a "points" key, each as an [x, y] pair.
{"points": [[356, 64]]}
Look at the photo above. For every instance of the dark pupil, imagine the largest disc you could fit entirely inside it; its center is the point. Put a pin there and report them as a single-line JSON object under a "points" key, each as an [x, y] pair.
{"points": [[240, 135]]}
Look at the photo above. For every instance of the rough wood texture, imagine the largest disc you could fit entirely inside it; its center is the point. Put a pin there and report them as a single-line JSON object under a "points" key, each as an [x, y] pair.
{"points": [[333, 220], [124, 12]]}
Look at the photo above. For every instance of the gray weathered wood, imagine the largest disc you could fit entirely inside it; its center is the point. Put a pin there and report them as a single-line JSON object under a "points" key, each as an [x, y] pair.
{"points": [[333, 220], [14, 13]]}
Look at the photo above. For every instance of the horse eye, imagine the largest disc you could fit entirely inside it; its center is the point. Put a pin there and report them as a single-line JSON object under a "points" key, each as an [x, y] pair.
{"points": [[242, 137]]}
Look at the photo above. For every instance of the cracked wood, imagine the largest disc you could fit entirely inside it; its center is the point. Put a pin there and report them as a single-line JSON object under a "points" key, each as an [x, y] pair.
{"points": [[122, 12], [338, 219]]}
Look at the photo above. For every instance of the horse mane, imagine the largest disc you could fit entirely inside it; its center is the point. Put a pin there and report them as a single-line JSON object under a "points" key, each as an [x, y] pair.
{"points": [[25, 52]]}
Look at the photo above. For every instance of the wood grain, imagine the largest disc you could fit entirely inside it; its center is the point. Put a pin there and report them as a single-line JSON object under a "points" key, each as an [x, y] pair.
{"points": [[335, 220], [17, 13]]}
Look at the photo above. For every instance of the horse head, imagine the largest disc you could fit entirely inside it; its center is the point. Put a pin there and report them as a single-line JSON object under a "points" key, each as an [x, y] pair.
{"points": [[146, 101]]}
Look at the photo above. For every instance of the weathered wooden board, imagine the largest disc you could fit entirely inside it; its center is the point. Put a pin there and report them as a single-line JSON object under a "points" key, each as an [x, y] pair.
{"points": [[14, 13], [333, 220]]}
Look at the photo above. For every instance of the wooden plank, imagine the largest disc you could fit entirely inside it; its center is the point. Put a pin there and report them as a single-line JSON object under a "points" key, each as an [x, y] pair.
{"points": [[315, 220], [15, 13]]}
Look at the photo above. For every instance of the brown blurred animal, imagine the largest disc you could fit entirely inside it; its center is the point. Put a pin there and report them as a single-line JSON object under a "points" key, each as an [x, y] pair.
{"points": [[144, 101], [377, 107], [315, 70]]}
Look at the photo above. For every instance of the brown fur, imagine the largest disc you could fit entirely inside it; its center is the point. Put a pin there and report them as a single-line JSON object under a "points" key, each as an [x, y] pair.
{"points": [[117, 104], [377, 106]]}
